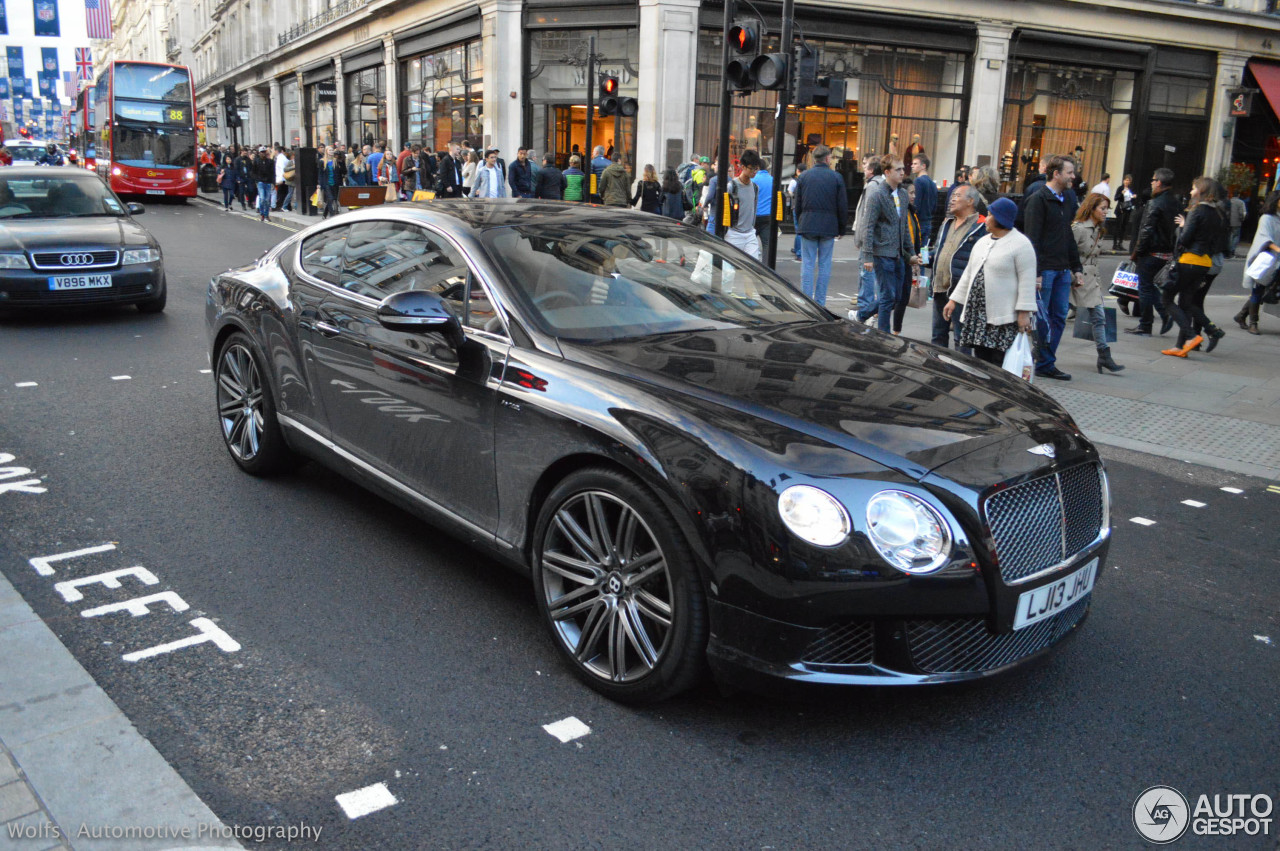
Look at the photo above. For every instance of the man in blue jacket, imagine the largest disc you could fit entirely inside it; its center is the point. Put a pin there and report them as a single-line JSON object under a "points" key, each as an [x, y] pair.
{"points": [[1048, 214], [822, 208]]}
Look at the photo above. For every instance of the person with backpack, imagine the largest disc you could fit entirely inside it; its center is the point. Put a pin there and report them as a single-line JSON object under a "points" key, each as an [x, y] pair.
{"points": [[675, 203]]}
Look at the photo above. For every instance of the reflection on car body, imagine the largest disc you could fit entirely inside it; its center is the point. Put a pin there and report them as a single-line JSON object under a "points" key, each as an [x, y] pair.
{"points": [[694, 463]]}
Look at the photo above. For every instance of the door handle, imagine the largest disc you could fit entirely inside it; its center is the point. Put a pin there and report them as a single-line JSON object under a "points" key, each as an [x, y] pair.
{"points": [[328, 330]]}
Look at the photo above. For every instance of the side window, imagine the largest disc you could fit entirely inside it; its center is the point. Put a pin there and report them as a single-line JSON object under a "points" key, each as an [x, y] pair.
{"points": [[321, 254], [388, 257]]}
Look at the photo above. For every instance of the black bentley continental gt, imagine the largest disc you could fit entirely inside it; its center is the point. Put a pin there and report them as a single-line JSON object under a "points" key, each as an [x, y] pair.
{"points": [[67, 239], [698, 466]]}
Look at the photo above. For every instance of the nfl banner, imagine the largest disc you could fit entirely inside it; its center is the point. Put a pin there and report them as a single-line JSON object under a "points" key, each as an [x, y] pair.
{"points": [[47, 18], [37, 108], [15, 62], [4, 20], [49, 60], [4, 88], [45, 84]]}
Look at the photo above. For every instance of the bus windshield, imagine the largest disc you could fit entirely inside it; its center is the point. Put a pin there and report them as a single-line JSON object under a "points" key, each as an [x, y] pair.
{"points": [[154, 127]]}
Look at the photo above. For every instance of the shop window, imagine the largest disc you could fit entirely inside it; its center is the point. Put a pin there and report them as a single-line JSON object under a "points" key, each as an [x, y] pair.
{"points": [[1179, 95]]}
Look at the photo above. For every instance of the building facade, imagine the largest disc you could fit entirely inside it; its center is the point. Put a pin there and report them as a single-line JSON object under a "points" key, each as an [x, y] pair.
{"points": [[1127, 85]]}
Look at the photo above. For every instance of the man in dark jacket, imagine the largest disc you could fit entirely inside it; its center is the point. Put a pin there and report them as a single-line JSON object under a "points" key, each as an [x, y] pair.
{"points": [[449, 174], [822, 208], [550, 183], [1049, 212], [1153, 248], [615, 184], [264, 175], [520, 175]]}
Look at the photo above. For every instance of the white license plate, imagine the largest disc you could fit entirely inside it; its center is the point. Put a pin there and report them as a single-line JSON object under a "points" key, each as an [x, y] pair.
{"points": [[1047, 600], [155, 191], [79, 282]]}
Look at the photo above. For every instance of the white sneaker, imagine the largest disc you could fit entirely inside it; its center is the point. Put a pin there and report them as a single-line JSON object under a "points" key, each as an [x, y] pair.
{"points": [[853, 316]]}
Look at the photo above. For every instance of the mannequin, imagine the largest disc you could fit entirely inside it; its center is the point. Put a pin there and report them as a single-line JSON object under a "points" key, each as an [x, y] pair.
{"points": [[1007, 162], [914, 148], [752, 137], [893, 145]]}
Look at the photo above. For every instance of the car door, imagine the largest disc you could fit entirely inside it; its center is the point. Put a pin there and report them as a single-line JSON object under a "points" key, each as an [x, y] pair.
{"points": [[313, 276], [412, 404]]}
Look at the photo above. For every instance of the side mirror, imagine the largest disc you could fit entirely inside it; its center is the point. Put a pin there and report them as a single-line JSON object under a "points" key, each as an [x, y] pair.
{"points": [[136, 209], [417, 310]]}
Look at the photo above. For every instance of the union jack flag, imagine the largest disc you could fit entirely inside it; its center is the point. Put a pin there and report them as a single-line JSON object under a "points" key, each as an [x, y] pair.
{"points": [[84, 64], [97, 16]]}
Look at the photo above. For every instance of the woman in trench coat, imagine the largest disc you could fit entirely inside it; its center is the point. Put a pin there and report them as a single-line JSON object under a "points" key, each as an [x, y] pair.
{"points": [[1086, 290]]}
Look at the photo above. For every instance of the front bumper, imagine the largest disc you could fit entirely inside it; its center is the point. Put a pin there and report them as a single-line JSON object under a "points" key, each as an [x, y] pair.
{"points": [[129, 285], [749, 648]]}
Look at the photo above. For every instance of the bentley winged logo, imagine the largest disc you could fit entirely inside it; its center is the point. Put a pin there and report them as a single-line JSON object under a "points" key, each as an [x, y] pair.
{"points": [[1045, 449]]}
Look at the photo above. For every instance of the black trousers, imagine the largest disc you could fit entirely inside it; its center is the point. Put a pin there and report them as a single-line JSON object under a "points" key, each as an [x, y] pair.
{"points": [[992, 356], [1180, 300]]}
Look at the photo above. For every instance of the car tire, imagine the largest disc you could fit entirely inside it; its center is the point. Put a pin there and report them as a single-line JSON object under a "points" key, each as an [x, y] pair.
{"points": [[155, 305], [626, 608], [247, 411]]}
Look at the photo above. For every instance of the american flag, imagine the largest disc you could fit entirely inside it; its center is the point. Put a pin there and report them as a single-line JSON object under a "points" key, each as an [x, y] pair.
{"points": [[97, 16], [84, 63]]}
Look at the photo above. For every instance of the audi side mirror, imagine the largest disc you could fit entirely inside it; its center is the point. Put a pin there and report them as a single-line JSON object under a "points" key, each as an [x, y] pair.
{"points": [[417, 310]]}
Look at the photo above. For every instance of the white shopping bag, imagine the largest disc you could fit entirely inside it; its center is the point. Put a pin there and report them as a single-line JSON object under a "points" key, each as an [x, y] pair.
{"points": [[1018, 359], [1261, 267]]}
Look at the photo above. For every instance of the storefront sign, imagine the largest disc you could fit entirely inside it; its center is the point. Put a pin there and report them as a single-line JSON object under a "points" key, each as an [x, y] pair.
{"points": [[1241, 103], [327, 92]]}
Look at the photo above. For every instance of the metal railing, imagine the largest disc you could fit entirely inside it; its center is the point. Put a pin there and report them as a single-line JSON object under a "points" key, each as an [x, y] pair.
{"points": [[172, 46], [328, 16]]}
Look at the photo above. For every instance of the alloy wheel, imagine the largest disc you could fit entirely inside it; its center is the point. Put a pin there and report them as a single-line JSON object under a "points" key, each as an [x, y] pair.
{"points": [[607, 587], [240, 402]]}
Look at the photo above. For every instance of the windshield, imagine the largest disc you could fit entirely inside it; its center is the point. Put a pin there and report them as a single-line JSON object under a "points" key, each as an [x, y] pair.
{"points": [[154, 127], [596, 284], [57, 197]]}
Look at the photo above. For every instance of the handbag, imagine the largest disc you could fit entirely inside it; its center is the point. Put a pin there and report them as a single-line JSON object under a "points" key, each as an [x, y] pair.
{"points": [[423, 195], [289, 174], [1261, 266], [1018, 359], [1124, 283], [1083, 329], [920, 291], [315, 197], [392, 196], [1167, 277]]}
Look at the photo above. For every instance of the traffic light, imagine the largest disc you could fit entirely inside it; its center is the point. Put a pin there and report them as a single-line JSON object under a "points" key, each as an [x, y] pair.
{"points": [[751, 70], [804, 85], [230, 105], [830, 92], [612, 103]]}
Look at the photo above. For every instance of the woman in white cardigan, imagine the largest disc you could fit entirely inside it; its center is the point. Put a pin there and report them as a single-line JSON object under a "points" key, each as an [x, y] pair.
{"points": [[998, 287], [1266, 239]]}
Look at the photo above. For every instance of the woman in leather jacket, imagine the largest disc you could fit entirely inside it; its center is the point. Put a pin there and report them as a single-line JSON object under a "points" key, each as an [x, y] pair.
{"points": [[1202, 233]]}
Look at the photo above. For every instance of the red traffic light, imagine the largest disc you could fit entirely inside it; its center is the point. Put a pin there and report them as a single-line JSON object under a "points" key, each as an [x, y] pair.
{"points": [[743, 38], [609, 86]]}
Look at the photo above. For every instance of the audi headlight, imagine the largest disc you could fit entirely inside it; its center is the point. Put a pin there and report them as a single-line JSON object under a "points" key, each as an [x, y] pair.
{"points": [[814, 515], [14, 261], [140, 255], [908, 532]]}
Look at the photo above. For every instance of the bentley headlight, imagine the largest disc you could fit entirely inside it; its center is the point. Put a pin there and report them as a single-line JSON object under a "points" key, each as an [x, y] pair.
{"points": [[908, 532], [14, 261], [140, 255], [814, 515]]}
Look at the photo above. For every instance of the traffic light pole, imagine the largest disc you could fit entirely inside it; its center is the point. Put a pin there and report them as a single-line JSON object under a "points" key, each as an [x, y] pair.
{"points": [[591, 106], [780, 135], [726, 104]]}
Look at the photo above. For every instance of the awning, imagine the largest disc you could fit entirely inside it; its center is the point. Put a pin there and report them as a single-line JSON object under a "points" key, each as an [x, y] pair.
{"points": [[1268, 76]]}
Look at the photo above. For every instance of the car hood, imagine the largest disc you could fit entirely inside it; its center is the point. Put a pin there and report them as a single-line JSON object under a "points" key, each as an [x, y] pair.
{"points": [[79, 232], [906, 405]]}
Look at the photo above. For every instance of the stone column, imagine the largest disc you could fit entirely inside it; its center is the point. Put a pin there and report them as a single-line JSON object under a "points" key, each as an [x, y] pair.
{"points": [[277, 113], [340, 107], [503, 47], [669, 48], [393, 94], [986, 101], [1222, 127]]}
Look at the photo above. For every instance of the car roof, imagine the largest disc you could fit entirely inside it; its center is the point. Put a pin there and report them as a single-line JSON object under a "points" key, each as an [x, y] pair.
{"points": [[481, 214], [45, 172]]}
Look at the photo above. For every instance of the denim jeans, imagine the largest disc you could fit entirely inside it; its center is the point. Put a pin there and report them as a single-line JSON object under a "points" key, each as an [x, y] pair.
{"points": [[816, 252], [866, 293], [1098, 319], [1148, 295], [1052, 303], [795, 245], [888, 289], [264, 198]]}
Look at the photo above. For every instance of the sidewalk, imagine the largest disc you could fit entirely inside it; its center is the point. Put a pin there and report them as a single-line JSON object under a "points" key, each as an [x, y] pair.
{"points": [[1221, 410], [74, 772]]}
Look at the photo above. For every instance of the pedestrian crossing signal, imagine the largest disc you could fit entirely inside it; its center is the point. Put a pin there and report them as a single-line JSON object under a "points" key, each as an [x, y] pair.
{"points": [[611, 103]]}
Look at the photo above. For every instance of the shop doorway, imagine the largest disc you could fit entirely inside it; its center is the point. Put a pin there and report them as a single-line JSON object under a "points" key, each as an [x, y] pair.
{"points": [[567, 126]]}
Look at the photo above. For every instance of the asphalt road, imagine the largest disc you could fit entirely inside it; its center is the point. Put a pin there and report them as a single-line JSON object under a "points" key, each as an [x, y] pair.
{"points": [[374, 649]]}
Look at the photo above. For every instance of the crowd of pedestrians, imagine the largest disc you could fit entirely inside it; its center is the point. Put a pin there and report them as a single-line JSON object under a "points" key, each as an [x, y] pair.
{"points": [[993, 268]]}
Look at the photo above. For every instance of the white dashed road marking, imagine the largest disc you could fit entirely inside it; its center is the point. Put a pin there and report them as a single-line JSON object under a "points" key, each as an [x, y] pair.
{"points": [[121, 377], [1142, 521], [370, 799], [1265, 639], [1193, 503], [26, 384], [1232, 490], [568, 729]]}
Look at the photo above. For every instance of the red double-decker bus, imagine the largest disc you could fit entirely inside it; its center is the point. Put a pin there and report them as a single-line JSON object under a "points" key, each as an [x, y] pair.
{"points": [[139, 124]]}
